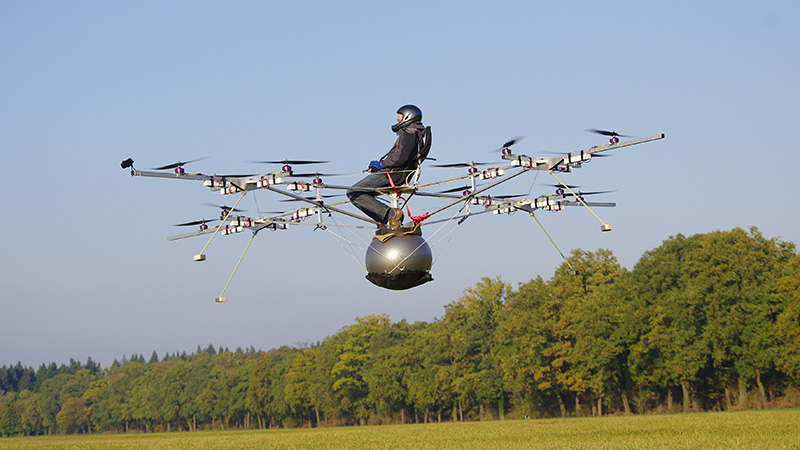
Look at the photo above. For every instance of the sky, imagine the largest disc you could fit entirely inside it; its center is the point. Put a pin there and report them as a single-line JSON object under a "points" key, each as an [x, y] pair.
{"points": [[87, 269]]}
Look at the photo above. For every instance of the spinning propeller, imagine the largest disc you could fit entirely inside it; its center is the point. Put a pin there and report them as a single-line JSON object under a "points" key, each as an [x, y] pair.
{"points": [[581, 194], [318, 175], [202, 223], [472, 169], [287, 163], [313, 199], [458, 189], [469, 164], [506, 148], [561, 186], [504, 197], [562, 190], [613, 134], [237, 175], [224, 209], [178, 166], [607, 133], [291, 161]]}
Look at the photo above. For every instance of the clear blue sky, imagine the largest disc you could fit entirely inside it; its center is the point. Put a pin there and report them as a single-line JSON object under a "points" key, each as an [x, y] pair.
{"points": [[87, 270]]}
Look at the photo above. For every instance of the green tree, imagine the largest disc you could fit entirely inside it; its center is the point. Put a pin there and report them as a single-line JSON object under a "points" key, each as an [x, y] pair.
{"points": [[132, 399], [238, 382], [528, 345], [259, 391], [9, 416], [605, 330], [168, 384], [787, 324], [738, 281], [298, 392], [353, 353], [385, 372], [73, 416], [471, 322], [671, 352], [321, 390], [426, 387], [576, 288], [711, 301], [103, 411], [30, 421], [197, 376], [50, 399], [277, 407]]}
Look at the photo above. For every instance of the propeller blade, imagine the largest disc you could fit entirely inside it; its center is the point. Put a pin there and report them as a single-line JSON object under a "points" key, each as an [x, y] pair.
{"points": [[194, 222], [291, 161], [509, 143], [224, 207], [513, 141], [606, 133], [469, 164], [508, 196], [177, 164], [458, 189], [581, 194], [317, 174], [592, 204], [561, 186], [594, 155], [245, 175], [310, 198]]}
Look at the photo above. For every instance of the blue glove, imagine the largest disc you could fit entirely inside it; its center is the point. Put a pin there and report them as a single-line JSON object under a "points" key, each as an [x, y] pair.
{"points": [[375, 166]]}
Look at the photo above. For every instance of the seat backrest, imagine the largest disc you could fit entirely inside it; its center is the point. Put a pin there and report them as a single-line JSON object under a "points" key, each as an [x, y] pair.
{"points": [[422, 155], [425, 148]]}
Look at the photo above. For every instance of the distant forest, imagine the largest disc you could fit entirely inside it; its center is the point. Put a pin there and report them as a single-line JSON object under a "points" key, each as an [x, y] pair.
{"points": [[706, 322]]}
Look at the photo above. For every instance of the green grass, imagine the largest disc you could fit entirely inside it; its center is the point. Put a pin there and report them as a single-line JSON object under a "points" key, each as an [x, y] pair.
{"points": [[771, 429]]}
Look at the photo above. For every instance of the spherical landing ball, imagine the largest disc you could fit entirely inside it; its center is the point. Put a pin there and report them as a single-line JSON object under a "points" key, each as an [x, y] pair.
{"points": [[401, 262]]}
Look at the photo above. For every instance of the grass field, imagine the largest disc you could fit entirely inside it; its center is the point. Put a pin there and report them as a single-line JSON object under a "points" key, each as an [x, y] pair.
{"points": [[771, 429]]}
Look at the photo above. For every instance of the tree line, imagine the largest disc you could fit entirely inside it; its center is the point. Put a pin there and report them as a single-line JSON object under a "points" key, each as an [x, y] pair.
{"points": [[706, 322]]}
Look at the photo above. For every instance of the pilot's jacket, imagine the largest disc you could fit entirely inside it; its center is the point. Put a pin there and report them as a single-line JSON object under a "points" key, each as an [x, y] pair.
{"points": [[403, 155]]}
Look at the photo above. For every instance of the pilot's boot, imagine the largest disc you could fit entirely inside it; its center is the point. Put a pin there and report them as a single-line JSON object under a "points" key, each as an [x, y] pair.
{"points": [[396, 220]]}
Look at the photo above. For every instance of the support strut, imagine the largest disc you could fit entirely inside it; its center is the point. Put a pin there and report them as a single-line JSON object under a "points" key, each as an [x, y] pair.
{"points": [[604, 226]]}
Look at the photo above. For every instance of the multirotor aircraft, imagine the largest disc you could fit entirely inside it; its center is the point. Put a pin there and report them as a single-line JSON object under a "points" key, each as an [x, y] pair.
{"points": [[395, 259]]}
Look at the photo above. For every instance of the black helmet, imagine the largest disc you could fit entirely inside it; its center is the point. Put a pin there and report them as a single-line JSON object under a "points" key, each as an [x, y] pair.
{"points": [[410, 115]]}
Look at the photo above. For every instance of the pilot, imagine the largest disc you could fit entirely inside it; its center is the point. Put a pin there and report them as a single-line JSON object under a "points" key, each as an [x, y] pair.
{"points": [[396, 164]]}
